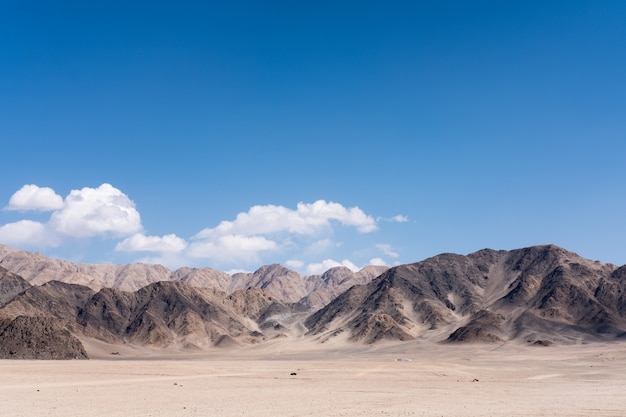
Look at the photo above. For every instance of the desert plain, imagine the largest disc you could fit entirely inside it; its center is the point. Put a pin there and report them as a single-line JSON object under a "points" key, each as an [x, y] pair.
{"points": [[302, 379]]}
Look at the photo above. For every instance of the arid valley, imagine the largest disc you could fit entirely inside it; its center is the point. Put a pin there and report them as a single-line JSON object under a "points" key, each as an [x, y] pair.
{"points": [[537, 331], [406, 379]]}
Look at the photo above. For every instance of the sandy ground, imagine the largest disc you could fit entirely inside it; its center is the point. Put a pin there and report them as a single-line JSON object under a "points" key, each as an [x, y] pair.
{"points": [[408, 379]]}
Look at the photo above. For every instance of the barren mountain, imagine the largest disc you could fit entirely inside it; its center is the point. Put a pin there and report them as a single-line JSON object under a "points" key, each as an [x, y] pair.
{"points": [[202, 278], [55, 299], [335, 281], [280, 282], [26, 337], [276, 280], [10, 286], [163, 314], [540, 295], [38, 269]]}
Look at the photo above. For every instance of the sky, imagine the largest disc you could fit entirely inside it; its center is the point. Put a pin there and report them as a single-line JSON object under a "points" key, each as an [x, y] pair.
{"points": [[237, 134]]}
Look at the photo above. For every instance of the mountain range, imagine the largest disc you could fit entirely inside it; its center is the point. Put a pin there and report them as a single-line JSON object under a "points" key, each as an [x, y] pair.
{"points": [[539, 295]]}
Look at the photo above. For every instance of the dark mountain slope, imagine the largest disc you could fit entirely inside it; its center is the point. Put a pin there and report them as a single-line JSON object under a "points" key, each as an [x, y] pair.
{"points": [[163, 314], [541, 293], [11, 285], [27, 337]]}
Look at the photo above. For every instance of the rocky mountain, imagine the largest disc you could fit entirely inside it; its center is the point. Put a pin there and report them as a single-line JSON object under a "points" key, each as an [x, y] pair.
{"points": [[280, 282], [164, 314], [38, 269], [335, 281], [177, 314], [34, 337], [10, 286], [541, 295], [276, 280]]}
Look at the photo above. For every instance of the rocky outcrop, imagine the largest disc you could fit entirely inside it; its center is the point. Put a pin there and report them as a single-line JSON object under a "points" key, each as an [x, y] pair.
{"points": [[27, 337]]}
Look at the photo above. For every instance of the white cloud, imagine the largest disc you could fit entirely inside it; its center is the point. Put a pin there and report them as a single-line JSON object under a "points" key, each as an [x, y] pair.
{"points": [[232, 248], [325, 265], [32, 197], [294, 263], [84, 213], [266, 228], [94, 211], [27, 232], [400, 218], [140, 242], [387, 250], [307, 219], [378, 262], [232, 272], [298, 234]]}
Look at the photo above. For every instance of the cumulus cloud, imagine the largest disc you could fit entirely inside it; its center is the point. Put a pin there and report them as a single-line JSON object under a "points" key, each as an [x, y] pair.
{"points": [[378, 262], [94, 211], [294, 263], [300, 234], [265, 228], [32, 197], [27, 232], [325, 265], [387, 250], [307, 219], [84, 213], [142, 243], [231, 248]]}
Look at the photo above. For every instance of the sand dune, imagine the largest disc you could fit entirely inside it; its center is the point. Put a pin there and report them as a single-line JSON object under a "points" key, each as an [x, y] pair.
{"points": [[408, 379]]}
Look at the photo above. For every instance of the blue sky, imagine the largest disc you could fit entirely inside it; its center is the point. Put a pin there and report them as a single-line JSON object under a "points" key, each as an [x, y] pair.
{"points": [[237, 134]]}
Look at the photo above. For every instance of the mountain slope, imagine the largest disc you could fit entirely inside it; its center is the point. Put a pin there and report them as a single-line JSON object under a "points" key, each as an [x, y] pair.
{"points": [[532, 294], [335, 281], [538, 295], [27, 337], [11, 285], [162, 315], [275, 280]]}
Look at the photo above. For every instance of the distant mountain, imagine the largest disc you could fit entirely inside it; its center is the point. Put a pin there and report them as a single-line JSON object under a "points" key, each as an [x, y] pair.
{"points": [[162, 315], [541, 294], [276, 280], [280, 282], [335, 281]]}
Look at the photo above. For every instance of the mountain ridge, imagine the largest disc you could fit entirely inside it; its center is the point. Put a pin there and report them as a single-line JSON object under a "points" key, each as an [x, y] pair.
{"points": [[539, 295], [275, 279]]}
